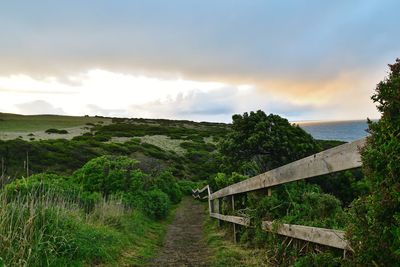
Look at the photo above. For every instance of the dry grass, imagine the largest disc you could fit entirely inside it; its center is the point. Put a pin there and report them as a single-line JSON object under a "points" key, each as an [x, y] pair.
{"points": [[165, 143]]}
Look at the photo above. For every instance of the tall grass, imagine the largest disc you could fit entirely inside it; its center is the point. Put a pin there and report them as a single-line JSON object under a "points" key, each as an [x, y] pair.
{"points": [[44, 228]]}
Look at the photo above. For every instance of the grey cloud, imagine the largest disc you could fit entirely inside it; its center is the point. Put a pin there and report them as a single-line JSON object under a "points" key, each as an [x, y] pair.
{"points": [[38, 107], [96, 110], [247, 40], [220, 105]]}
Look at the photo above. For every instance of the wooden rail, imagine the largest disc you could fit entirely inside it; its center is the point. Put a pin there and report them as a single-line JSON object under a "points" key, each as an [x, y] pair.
{"points": [[343, 157], [233, 219], [327, 237], [336, 159]]}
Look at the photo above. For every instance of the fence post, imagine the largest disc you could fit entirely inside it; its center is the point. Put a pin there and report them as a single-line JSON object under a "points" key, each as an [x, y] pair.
{"points": [[209, 201], [234, 224], [219, 211]]}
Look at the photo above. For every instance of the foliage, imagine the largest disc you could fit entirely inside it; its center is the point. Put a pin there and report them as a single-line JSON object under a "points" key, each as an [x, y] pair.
{"points": [[65, 156], [298, 203], [346, 186], [225, 253], [186, 186], [221, 180], [260, 142], [55, 131], [167, 183], [109, 175], [44, 230], [156, 204], [375, 219]]}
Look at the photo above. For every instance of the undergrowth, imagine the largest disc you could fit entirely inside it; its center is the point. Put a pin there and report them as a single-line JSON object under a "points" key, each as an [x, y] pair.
{"points": [[48, 230]]}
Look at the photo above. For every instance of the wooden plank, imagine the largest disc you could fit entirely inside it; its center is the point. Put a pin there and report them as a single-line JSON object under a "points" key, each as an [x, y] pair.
{"points": [[234, 225], [336, 159], [327, 237], [233, 219], [209, 200], [199, 191]]}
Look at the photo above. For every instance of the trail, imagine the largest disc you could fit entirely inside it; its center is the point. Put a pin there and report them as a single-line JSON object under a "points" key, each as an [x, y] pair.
{"points": [[184, 244]]}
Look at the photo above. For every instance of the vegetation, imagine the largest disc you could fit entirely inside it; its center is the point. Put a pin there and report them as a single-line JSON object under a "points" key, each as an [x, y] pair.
{"points": [[90, 217], [41, 227], [84, 201], [55, 131], [198, 161], [225, 253], [260, 142], [375, 218], [23, 123]]}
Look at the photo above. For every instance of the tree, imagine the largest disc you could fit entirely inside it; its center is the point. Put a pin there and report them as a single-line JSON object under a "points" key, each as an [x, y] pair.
{"points": [[374, 230], [258, 143]]}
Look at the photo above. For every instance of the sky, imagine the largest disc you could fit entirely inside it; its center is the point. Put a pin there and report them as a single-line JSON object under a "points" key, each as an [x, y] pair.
{"points": [[198, 60]]}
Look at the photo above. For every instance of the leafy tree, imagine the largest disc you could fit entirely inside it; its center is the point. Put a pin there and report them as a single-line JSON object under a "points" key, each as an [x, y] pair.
{"points": [[260, 142], [374, 229]]}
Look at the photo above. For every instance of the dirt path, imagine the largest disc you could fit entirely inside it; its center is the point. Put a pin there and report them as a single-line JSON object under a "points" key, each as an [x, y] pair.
{"points": [[184, 244]]}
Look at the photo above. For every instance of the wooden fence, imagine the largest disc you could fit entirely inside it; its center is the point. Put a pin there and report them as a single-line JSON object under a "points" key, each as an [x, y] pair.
{"points": [[336, 159]]}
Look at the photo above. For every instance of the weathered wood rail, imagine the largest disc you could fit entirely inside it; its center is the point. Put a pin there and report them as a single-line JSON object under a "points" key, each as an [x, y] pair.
{"points": [[340, 158]]}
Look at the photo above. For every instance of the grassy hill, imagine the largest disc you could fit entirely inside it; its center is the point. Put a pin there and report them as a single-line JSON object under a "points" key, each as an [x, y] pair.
{"points": [[82, 208], [184, 147], [27, 123]]}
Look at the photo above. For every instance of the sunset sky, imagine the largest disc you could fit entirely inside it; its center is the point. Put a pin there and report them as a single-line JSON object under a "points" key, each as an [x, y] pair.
{"points": [[198, 60]]}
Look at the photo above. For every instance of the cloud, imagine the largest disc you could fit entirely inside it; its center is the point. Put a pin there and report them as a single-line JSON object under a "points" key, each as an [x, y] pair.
{"points": [[236, 42], [38, 107], [219, 105], [96, 110], [100, 92]]}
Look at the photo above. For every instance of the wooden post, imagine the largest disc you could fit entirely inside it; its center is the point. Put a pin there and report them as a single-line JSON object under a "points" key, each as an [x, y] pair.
{"points": [[219, 211], [269, 191], [2, 167], [234, 224], [27, 164], [209, 200]]}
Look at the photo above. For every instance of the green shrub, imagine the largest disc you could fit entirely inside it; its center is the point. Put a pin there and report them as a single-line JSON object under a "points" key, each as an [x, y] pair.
{"points": [[186, 186], [374, 223], [56, 131], [156, 204], [167, 183], [109, 174], [318, 259]]}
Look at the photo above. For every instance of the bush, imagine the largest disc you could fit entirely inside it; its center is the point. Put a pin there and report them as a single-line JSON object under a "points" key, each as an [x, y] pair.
{"points": [[56, 131], [109, 175], [374, 223], [167, 183], [156, 204]]}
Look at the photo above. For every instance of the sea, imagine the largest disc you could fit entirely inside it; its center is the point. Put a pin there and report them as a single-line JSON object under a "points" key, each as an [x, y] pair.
{"points": [[336, 130]]}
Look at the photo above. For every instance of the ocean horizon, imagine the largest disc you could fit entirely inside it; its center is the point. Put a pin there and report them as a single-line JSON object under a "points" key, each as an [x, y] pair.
{"points": [[336, 130]]}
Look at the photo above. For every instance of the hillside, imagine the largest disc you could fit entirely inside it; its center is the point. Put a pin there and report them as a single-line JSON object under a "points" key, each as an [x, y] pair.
{"points": [[183, 147], [103, 177]]}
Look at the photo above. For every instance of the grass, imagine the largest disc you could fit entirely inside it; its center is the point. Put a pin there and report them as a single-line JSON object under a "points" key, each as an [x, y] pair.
{"points": [[48, 230], [22, 123], [226, 253], [165, 143], [146, 237]]}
